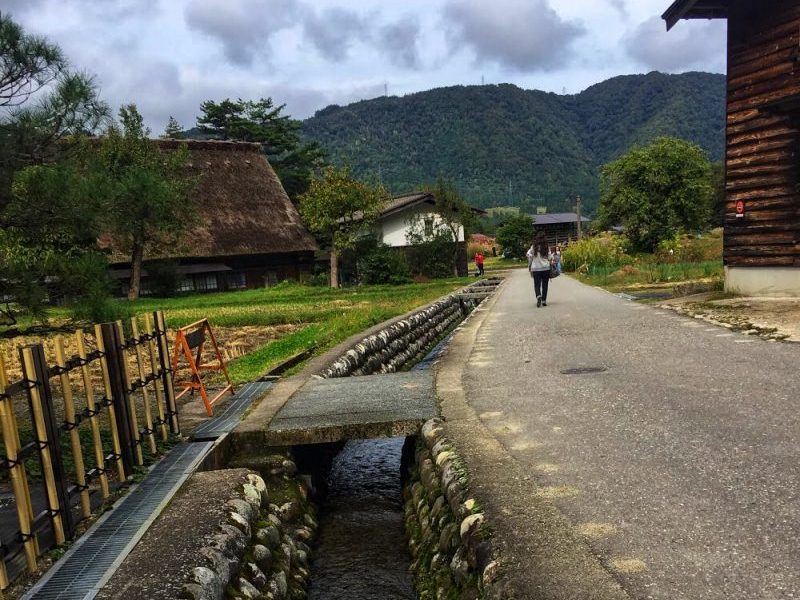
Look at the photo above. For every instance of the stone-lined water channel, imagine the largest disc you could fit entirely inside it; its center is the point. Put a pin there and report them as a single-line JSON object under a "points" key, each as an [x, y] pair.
{"points": [[361, 550]]}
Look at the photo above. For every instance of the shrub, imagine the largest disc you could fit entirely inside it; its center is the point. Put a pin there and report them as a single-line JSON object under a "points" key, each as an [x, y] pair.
{"points": [[163, 276], [432, 257], [605, 251], [382, 264]]}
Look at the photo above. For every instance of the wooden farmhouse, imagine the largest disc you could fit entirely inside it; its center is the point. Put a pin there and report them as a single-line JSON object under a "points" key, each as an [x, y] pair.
{"points": [[560, 228], [762, 221], [248, 233]]}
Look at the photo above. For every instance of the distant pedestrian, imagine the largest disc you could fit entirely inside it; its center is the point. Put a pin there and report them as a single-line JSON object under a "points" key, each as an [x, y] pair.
{"points": [[557, 259], [539, 265], [494, 251], [479, 263]]}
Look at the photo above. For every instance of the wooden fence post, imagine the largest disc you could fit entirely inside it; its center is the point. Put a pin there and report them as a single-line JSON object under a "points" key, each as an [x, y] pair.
{"points": [[19, 481], [45, 431], [122, 468], [166, 370], [155, 366], [99, 453], [148, 412], [130, 399], [119, 393], [71, 423]]}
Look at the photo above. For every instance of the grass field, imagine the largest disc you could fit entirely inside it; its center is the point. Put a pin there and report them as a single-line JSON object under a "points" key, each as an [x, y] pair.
{"points": [[323, 317]]}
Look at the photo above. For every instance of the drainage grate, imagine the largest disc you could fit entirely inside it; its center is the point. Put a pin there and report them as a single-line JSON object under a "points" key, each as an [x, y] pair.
{"points": [[87, 566], [583, 370], [229, 418]]}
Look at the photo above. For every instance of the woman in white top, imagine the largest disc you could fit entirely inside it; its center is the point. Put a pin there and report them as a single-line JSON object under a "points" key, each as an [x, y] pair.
{"points": [[539, 265]]}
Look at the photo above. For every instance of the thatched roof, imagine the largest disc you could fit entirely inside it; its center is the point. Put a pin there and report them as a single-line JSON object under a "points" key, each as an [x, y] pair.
{"points": [[243, 208]]}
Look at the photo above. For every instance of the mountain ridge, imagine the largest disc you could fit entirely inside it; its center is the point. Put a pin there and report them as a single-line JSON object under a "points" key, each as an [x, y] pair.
{"points": [[504, 145]]}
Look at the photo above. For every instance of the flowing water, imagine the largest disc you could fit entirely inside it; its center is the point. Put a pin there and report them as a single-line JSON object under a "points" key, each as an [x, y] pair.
{"points": [[361, 551]]}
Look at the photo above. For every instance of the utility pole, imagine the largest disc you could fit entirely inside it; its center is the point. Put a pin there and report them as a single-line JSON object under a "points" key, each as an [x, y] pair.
{"points": [[578, 211]]}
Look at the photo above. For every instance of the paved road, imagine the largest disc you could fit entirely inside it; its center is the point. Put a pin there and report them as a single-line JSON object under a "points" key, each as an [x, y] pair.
{"points": [[679, 462]]}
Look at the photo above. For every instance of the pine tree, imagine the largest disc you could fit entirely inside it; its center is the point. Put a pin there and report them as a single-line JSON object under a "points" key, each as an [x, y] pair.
{"points": [[173, 130]]}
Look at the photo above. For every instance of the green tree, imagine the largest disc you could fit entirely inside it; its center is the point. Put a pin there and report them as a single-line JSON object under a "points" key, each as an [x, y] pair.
{"points": [[341, 209], [293, 159], [455, 216], [515, 235], [146, 192], [46, 211], [27, 63], [657, 192], [45, 105], [173, 130]]}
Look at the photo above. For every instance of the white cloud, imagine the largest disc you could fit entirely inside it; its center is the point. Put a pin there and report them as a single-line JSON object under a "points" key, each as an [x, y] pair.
{"points": [[333, 30], [525, 35], [687, 46], [244, 27]]}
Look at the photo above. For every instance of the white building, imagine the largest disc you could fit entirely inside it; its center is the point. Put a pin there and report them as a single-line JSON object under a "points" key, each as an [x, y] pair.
{"points": [[404, 212]]}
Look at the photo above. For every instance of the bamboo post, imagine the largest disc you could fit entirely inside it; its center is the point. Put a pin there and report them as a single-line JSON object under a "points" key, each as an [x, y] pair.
{"points": [[112, 414], [154, 367], [148, 413], [19, 482], [163, 357], [45, 445], [72, 424], [97, 440], [131, 398]]}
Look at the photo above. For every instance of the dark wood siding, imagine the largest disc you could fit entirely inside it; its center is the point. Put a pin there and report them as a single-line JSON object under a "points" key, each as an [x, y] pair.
{"points": [[762, 133]]}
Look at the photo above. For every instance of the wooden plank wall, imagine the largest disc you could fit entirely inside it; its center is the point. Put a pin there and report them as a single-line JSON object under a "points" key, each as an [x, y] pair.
{"points": [[762, 147]]}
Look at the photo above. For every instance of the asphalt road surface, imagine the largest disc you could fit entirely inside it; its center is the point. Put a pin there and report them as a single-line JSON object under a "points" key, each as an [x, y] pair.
{"points": [[678, 461]]}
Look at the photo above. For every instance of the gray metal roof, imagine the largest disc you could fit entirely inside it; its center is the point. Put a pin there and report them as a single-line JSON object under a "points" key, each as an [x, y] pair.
{"points": [[558, 218]]}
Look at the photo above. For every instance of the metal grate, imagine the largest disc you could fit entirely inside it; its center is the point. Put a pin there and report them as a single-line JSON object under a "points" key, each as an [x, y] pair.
{"points": [[87, 566], [229, 418]]}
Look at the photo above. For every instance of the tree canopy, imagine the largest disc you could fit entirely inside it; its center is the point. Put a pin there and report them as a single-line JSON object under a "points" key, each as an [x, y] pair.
{"points": [[657, 192], [515, 235], [27, 63], [340, 209], [293, 159], [146, 193]]}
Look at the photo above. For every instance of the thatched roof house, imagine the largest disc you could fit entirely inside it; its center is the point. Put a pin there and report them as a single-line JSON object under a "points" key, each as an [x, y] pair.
{"points": [[248, 232]]}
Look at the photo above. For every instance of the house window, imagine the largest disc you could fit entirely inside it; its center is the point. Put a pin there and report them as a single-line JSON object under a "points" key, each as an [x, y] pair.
{"points": [[185, 285], [270, 279], [205, 283], [236, 281], [428, 227]]}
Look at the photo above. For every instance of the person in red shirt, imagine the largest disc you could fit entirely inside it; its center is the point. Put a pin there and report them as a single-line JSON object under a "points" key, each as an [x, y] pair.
{"points": [[479, 263]]}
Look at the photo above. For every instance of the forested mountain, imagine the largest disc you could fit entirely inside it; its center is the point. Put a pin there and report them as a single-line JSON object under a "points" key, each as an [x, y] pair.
{"points": [[503, 145]]}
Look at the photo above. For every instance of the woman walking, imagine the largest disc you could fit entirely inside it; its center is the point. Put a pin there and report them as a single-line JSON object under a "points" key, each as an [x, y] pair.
{"points": [[539, 266]]}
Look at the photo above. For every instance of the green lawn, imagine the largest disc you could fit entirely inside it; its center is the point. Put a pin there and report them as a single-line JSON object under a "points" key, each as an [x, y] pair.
{"points": [[329, 316]]}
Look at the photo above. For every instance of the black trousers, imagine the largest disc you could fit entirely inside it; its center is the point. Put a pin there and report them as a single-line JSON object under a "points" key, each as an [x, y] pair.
{"points": [[541, 280]]}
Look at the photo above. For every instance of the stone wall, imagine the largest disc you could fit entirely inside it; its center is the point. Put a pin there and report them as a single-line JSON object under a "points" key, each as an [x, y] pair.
{"points": [[449, 539], [405, 341], [261, 549]]}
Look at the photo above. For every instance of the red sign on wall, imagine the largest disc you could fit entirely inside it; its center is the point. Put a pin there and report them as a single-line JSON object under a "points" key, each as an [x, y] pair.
{"points": [[739, 208]]}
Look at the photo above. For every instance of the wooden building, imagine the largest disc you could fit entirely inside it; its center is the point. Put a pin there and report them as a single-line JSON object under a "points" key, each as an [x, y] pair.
{"points": [[762, 221], [248, 233], [560, 228]]}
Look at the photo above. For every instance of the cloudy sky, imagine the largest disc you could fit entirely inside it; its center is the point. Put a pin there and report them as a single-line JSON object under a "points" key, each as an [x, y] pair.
{"points": [[168, 56]]}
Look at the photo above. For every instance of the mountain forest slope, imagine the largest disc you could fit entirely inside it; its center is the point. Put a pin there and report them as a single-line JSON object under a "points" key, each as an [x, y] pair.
{"points": [[503, 145]]}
